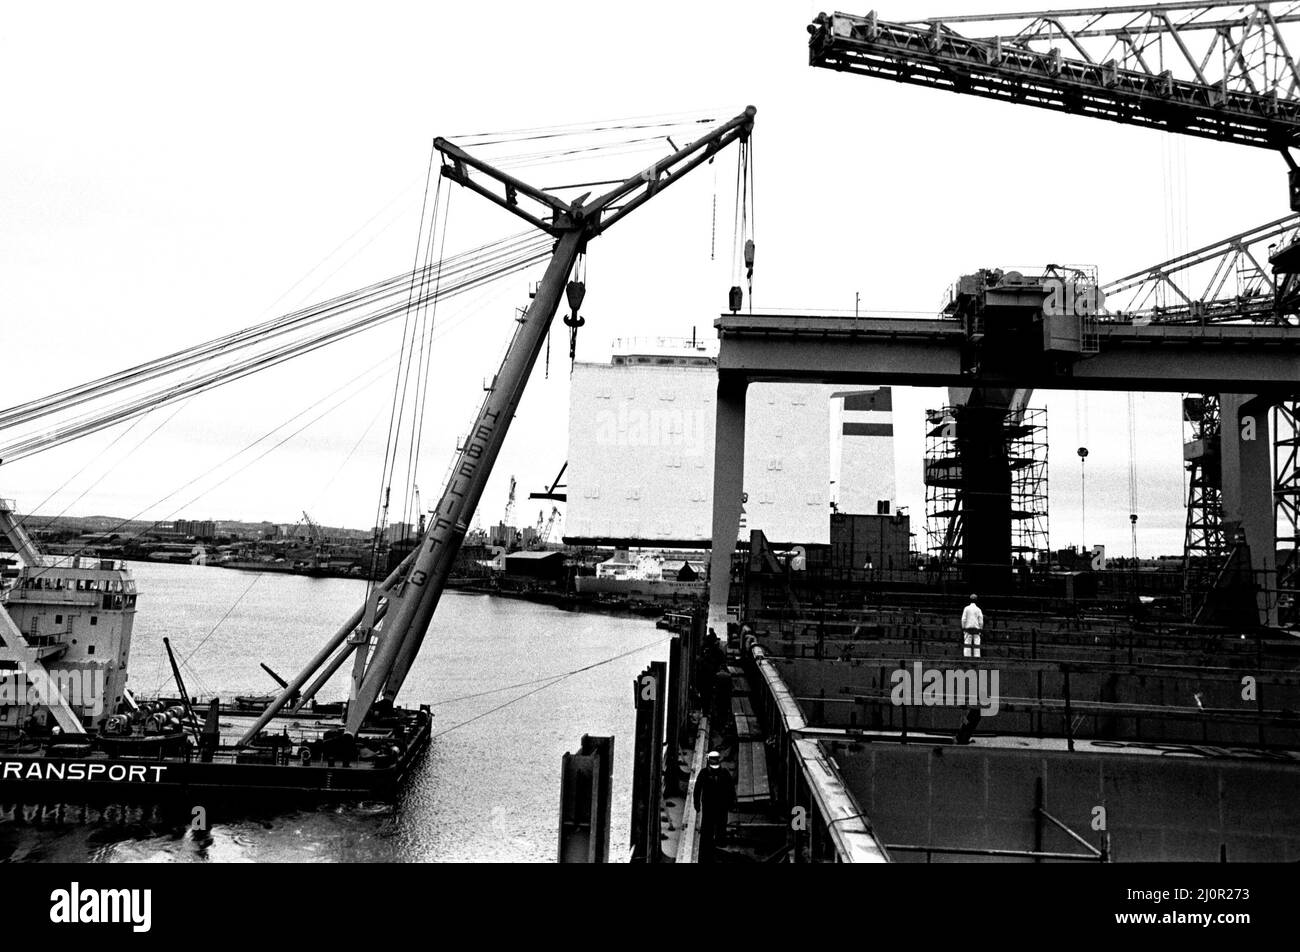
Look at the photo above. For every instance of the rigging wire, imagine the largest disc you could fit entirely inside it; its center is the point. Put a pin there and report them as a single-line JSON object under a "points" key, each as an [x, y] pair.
{"points": [[213, 630], [414, 365], [99, 419], [713, 233], [592, 130], [399, 382], [137, 420], [259, 333], [524, 255], [258, 576], [1132, 472], [427, 360], [371, 371], [409, 515], [474, 265], [684, 118], [550, 683]]}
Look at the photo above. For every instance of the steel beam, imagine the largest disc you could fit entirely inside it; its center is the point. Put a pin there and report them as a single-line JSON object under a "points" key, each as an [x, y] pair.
{"points": [[1131, 357]]}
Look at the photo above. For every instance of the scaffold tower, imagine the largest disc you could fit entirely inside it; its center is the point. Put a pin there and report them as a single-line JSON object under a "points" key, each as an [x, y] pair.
{"points": [[1024, 435]]}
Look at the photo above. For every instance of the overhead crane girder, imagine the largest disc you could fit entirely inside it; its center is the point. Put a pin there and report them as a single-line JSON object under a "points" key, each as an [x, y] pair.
{"points": [[1213, 70]]}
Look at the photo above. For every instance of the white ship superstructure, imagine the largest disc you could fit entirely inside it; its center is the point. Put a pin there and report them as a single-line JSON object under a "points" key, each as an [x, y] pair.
{"points": [[65, 636]]}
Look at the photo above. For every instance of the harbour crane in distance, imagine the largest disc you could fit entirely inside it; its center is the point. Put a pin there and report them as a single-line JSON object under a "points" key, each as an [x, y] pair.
{"points": [[509, 515], [545, 535], [386, 637], [319, 558], [313, 530]]}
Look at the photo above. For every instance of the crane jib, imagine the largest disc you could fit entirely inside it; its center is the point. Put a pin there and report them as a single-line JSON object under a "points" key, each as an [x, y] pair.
{"points": [[412, 602]]}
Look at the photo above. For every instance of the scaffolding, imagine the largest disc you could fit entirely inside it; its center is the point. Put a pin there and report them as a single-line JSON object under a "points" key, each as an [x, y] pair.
{"points": [[1024, 435], [942, 488], [1027, 451], [1204, 544], [1286, 502]]}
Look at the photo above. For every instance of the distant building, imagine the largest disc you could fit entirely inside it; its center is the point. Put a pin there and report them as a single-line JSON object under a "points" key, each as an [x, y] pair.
{"points": [[196, 529], [543, 566], [399, 531], [503, 535]]}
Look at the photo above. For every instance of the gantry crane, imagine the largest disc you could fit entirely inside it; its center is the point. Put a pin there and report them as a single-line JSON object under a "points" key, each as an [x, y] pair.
{"points": [[1213, 70], [387, 632], [1249, 276]]}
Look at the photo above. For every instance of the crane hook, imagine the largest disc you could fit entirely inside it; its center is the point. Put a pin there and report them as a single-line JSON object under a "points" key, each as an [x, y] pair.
{"points": [[749, 268], [575, 292]]}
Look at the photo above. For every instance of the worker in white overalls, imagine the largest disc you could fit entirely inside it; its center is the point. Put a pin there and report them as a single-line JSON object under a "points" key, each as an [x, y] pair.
{"points": [[972, 624]]}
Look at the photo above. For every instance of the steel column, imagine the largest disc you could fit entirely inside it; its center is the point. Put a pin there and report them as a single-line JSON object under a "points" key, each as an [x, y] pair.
{"points": [[1286, 502], [647, 771], [586, 782], [1247, 490], [728, 493]]}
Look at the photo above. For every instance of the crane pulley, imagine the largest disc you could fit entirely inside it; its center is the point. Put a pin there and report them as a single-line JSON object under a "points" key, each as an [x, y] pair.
{"points": [[574, 292], [743, 239]]}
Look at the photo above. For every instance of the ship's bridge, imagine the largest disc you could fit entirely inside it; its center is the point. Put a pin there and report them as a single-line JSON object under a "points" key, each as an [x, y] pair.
{"points": [[65, 621], [88, 582]]}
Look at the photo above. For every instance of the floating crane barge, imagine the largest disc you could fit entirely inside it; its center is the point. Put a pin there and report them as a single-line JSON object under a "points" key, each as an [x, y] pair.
{"points": [[303, 759], [65, 626], [70, 727]]}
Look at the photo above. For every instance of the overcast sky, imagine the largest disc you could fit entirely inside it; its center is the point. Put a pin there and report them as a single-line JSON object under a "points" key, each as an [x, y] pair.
{"points": [[172, 172]]}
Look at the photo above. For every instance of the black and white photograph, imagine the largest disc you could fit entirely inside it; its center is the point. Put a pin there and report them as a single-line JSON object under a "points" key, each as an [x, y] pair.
{"points": [[717, 433]]}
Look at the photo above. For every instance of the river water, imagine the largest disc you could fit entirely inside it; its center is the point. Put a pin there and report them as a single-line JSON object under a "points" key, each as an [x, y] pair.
{"points": [[488, 789]]}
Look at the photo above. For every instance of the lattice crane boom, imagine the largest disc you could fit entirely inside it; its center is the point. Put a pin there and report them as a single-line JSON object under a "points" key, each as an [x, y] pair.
{"points": [[1229, 280], [1215, 70]]}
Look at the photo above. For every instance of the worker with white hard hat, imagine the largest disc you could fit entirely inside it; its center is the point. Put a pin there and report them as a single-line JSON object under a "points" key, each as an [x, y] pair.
{"points": [[972, 626], [714, 792]]}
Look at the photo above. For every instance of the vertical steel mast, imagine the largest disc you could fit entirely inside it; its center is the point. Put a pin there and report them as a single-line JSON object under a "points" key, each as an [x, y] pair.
{"points": [[385, 651]]}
